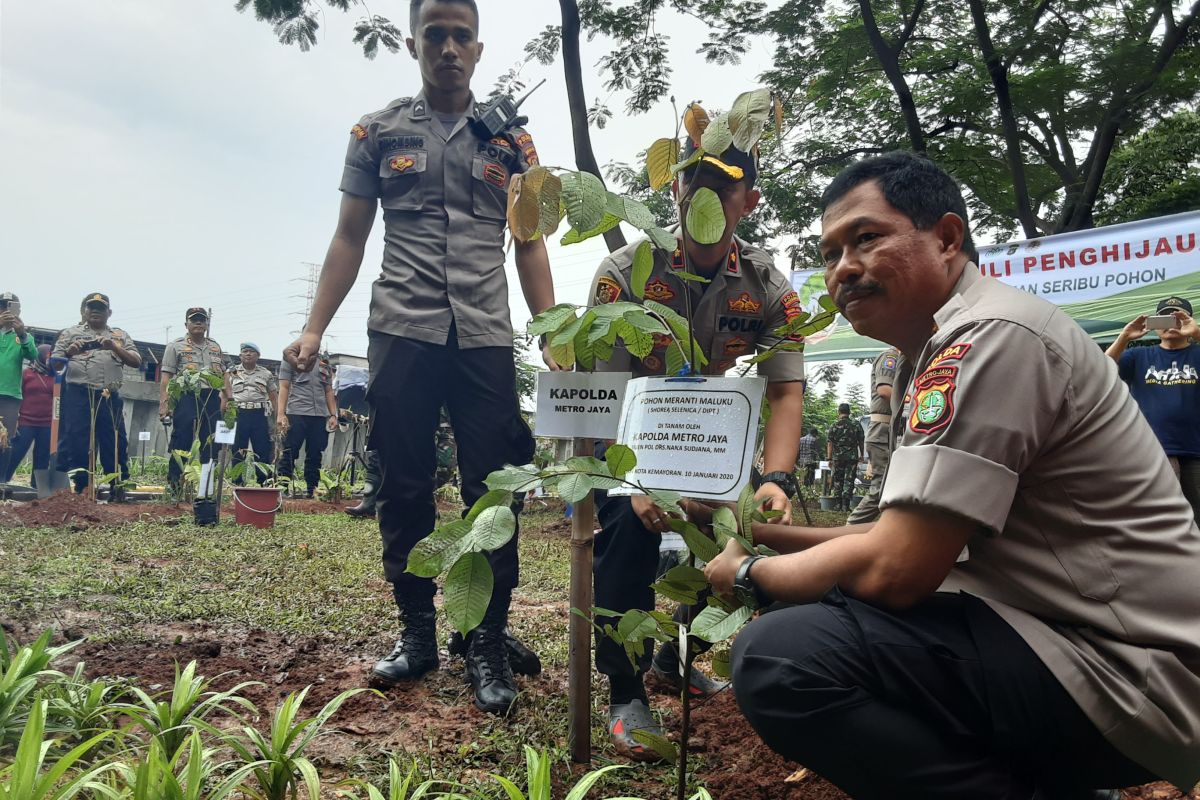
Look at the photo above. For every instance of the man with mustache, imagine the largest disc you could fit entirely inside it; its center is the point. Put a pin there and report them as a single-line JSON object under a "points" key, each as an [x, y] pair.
{"points": [[440, 326], [1023, 620]]}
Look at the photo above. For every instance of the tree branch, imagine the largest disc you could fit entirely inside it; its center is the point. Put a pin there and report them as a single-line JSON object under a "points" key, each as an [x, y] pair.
{"points": [[889, 59], [910, 25]]}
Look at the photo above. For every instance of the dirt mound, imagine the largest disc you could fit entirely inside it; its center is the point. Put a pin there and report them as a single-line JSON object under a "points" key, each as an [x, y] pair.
{"points": [[69, 510]]}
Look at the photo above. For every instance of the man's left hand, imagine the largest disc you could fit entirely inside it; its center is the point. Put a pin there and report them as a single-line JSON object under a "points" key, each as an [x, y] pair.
{"points": [[773, 498], [17, 325], [1187, 325], [107, 344], [723, 569]]}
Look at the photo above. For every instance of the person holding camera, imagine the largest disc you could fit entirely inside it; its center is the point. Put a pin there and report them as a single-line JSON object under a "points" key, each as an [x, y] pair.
{"points": [[16, 345], [1165, 382], [91, 396]]}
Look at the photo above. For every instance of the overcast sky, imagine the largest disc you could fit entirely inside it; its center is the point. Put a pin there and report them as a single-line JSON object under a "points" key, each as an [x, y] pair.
{"points": [[172, 153]]}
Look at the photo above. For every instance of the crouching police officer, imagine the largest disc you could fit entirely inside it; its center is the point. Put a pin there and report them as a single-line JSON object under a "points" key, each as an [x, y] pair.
{"points": [[92, 395], [736, 313], [255, 390], [195, 415]]}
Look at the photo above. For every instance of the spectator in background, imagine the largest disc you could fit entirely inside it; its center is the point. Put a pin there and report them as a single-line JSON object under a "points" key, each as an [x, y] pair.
{"points": [[255, 391], [808, 456], [15, 346], [306, 415], [33, 421], [844, 449], [879, 433], [1165, 382]]}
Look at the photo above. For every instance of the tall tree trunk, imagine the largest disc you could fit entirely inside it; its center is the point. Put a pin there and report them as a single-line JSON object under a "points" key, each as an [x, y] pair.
{"points": [[585, 158], [889, 59], [1012, 137]]}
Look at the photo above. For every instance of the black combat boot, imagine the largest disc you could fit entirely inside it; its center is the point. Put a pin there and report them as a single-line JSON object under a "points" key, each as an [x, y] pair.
{"points": [[521, 659], [416, 652], [366, 507], [487, 662]]}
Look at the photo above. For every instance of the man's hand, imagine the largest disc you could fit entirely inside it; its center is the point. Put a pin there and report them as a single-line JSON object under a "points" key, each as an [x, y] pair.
{"points": [[772, 497], [1136, 328], [723, 569], [653, 517], [10, 319], [331, 423], [163, 413], [553, 365], [1187, 325], [106, 343], [74, 349], [302, 354], [281, 423]]}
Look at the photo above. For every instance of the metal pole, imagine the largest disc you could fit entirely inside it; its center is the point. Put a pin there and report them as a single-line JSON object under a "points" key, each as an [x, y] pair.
{"points": [[579, 664]]}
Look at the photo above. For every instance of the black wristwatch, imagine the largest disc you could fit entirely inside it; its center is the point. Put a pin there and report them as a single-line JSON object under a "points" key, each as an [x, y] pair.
{"points": [[784, 480], [745, 590]]}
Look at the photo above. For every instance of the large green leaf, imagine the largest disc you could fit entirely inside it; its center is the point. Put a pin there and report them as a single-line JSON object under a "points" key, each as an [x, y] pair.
{"points": [[551, 319], [573, 488], [514, 479], [620, 459], [638, 342], [663, 239], [492, 529], [705, 216], [746, 506], [748, 117], [702, 546], [563, 343], [585, 198], [495, 497], [607, 223], [715, 625], [468, 591], [659, 158], [632, 211], [717, 136], [426, 559], [643, 265]]}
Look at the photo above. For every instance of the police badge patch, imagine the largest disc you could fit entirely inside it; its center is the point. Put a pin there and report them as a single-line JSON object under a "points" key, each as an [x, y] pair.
{"points": [[401, 163], [933, 404], [607, 290], [359, 132]]}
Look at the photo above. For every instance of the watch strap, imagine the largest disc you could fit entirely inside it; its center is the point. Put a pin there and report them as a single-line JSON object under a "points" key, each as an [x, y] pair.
{"points": [[784, 480]]}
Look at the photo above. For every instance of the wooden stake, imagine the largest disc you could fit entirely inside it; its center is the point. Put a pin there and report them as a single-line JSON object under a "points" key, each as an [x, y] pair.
{"points": [[579, 664]]}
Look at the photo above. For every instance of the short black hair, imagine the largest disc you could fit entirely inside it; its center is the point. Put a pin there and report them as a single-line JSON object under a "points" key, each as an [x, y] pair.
{"points": [[844, 408], [414, 11], [912, 184]]}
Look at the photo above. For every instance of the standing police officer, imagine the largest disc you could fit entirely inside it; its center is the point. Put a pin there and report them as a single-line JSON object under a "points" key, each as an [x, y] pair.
{"points": [[879, 433], [735, 313], [305, 416], [92, 395], [194, 416], [844, 449], [256, 391], [439, 324]]}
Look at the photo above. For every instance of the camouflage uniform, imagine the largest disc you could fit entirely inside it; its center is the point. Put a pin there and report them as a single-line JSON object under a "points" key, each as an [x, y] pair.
{"points": [[845, 441]]}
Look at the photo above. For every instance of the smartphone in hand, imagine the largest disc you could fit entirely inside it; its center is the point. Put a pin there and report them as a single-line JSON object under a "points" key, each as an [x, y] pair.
{"points": [[1164, 322]]}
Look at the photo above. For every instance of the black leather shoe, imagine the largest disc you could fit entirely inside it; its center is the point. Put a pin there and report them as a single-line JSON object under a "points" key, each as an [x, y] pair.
{"points": [[364, 509], [414, 655], [521, 659], [489, 672]]}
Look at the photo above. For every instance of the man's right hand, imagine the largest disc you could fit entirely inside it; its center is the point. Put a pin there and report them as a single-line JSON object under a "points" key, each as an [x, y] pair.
{"points": [[281, 423], [302, 353], [74, 349], [653, 517], [1136, 329]]}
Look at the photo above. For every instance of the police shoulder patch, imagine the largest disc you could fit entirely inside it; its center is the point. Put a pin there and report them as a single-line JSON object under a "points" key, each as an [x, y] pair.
{"points": [[359, 132], [933, 403], [607, 290], [889, 362]]}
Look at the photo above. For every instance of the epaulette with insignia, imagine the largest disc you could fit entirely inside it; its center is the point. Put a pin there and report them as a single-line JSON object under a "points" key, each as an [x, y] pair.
{"points": [[400, 102]]}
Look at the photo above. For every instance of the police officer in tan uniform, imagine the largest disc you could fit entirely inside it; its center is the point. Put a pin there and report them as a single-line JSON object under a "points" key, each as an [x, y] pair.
{"points": [[735, 314], [92, 392], [194, 417], [439, 323], [879, 433], [255, 390], [306, 415], [1023, 621]]}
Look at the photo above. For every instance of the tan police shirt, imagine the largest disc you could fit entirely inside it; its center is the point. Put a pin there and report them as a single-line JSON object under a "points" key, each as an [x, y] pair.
{"points": [[883, 373], [182, 354], [306, 394], [1085, 544], [735, 315], [251, 386], [444, 202], [98, 368]]}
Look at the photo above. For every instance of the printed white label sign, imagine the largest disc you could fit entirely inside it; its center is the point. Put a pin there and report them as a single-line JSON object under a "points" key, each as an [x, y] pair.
{"points": [[223, 434], [583, 405], [143, 436], [692, 436]]}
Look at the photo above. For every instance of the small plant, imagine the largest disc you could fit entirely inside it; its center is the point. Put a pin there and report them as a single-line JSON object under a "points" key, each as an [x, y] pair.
{"points": [[31, 777], [334, 486], [171, 721], [402, 785], [20, 673], [79, 708], [159, 777], [537, 774], [282, 768]]}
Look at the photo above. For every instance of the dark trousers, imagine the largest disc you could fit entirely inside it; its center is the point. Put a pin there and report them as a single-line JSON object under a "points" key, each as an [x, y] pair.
{"points": [[843, 482], [28, 436], [944, 700], [1188, 472], [305, 430], [625, 562], [410, 382], [80, 406], [253, 433], [193, 419]]}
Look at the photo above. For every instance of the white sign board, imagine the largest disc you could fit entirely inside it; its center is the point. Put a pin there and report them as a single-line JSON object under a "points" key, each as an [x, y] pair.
{"points": [[143, 436], [692, 436], [579, 405], [224, 434]]}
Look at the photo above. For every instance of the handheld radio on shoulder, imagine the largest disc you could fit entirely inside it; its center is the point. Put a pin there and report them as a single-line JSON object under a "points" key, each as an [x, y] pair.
{"points": [[500, 114]]}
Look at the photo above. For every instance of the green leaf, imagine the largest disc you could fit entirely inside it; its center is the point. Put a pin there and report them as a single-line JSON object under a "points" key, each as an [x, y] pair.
{"points": [[673, 591], [663, 747], [551, 204], [684, 275], [724, 521], [492, 529], [717, 136], [573, 488], [551, 319], [563, 343], [663, 239], [748, 117], [714, 625], [667, 500], [620, 459], [585, 198], [495, 497], [705, 216], [468, 591], [636, 625], [638, 342], [643, 265], [688, 162], [632, 211], [514, 479], [677, 362], [701, 546], [607, 223], [659, 158], [643, 321], [426, 557], [722, 662]]}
